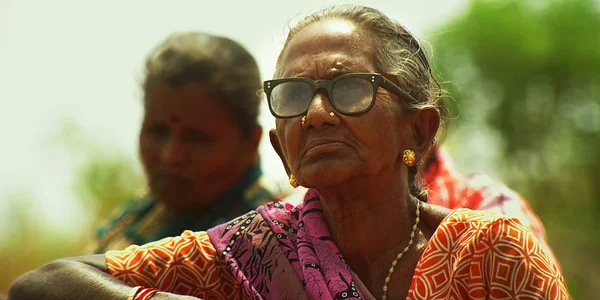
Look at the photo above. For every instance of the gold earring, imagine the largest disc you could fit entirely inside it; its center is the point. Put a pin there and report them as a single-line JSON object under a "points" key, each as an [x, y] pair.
{"points": [[408, 157], [332, 114], [303, 120], [293, 181]]}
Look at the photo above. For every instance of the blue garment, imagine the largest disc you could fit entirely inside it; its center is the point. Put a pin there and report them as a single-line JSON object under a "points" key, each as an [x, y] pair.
{"points": [[143, 220]]}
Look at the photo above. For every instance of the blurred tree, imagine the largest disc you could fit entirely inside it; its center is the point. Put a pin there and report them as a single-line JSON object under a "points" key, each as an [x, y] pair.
{"points": [[28, 242], [104, 180], [524, 80]]}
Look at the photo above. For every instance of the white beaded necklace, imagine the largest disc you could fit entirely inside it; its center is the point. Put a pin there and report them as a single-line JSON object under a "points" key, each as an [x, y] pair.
{"points": [[410, 242]]}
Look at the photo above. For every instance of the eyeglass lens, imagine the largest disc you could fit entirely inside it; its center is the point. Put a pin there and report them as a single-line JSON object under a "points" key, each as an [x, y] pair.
{"points": [[348, 96]]}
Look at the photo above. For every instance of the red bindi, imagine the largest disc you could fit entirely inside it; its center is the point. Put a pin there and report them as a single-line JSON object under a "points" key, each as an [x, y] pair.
{"points": [[174, 119]]}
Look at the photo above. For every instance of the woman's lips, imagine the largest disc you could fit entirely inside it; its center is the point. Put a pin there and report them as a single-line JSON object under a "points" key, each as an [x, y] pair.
{"points": [[323, 146], [171, 182]]}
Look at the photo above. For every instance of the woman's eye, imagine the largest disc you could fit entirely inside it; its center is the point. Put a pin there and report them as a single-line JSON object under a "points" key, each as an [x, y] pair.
{"points": [[158, 131], [198, 136]]}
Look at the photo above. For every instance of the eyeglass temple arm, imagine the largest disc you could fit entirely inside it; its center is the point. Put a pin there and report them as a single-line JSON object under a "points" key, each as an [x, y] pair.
{"points": [[392, 87]]}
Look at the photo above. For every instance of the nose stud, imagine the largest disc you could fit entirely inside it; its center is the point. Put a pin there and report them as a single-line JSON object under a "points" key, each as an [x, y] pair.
{"points": [[332, 114], [303, 120]]}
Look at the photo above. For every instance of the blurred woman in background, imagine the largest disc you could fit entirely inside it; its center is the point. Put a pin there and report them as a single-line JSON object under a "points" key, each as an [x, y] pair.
{"points": [[198, 141]]}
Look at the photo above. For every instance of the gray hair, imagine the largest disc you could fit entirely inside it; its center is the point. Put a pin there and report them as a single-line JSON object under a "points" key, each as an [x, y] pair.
{"points": [[220, 64], [398, 54]]}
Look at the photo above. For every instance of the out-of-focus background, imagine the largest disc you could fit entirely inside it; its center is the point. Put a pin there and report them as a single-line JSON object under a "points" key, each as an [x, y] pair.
{"points": [[523, 75]]}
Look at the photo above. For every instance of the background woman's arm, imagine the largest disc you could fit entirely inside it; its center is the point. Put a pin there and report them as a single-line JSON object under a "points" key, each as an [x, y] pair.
{"points": [[172, 265], [84, 277]]}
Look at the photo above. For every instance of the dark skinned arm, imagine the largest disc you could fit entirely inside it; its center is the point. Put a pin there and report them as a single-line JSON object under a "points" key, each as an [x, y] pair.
{"points": [[84, 277]]}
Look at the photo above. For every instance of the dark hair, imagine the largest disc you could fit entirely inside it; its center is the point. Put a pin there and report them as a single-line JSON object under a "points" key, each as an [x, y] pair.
{"points": [[220, 64], [399, 55]]}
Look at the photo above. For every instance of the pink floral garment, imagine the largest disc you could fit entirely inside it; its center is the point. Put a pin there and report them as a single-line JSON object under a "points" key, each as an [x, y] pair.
{"points": [[286, 252]]}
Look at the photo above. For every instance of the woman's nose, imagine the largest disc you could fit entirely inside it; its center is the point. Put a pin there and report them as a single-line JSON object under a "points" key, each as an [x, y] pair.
{"points": [[319, 111], [174, 152]]}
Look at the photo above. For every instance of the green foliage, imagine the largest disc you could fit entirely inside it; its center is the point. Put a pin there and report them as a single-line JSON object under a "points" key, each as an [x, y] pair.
{"points": [[104, 180], [523, 76], [28, 242]]}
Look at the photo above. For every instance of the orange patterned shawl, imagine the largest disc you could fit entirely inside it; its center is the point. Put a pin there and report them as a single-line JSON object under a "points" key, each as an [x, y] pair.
{"points": [[472, 255]]}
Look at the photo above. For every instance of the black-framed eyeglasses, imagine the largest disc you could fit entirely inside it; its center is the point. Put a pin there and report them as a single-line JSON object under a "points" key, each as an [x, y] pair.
{"points": [[349, 94]]}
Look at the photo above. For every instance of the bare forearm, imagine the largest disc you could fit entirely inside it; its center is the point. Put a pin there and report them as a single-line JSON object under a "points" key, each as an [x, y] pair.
{"points": [[75, 278], [67, 279]]}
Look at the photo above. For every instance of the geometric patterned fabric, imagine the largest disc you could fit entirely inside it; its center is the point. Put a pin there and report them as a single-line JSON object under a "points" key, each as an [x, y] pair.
{"points": [[472, 255], [185, 265], [448, 188], [480, 255]]}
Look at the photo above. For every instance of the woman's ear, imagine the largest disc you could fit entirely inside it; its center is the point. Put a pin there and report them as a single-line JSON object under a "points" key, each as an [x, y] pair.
{"points": [[277, 147], [426, 122]]}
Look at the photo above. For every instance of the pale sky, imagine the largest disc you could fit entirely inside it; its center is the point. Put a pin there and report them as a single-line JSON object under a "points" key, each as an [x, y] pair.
{"points": [[81, 60]]}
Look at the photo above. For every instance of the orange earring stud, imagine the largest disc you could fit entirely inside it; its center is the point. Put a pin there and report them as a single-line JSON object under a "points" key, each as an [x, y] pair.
{"points": [[293, 181], [408, 157]]}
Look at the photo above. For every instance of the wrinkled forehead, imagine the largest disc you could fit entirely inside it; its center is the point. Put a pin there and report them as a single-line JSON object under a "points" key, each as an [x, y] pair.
{"points": [[334, 45]]}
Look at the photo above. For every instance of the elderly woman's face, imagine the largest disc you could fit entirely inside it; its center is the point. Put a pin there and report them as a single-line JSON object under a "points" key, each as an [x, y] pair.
{"points": [[330, 150]]}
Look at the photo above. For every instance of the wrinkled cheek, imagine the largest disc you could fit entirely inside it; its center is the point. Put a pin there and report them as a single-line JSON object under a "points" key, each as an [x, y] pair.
{"points": [[211, 173], [394, 147], [390, 141], [212, 160], [289, 140]]}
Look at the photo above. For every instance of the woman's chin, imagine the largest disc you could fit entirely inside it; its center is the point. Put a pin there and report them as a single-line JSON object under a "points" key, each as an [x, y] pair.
{"points": [[327, 174]]}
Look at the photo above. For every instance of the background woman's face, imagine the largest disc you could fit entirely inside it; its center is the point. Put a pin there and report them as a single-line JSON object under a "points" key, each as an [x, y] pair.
{"points": [[340, 147], [191, 147]]}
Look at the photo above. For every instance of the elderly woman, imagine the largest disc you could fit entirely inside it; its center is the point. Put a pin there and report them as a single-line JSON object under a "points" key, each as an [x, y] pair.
{"points": [[198, 142], [352, 100], [449, 188]]}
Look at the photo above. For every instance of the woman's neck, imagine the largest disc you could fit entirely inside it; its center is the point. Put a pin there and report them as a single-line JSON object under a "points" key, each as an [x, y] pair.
{"points": [[370, 222]]}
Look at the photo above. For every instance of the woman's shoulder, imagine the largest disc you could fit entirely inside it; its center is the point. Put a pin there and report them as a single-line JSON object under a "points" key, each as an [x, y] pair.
{"points": [[131, 209], [488, 254], [440, 218], [468, 234], [464, 221], [480, 231], [250, 223], [480, 217]]}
